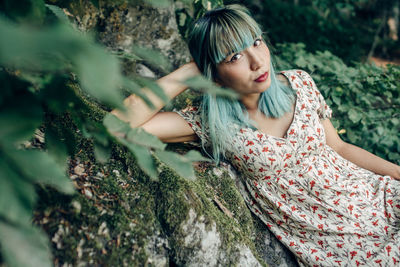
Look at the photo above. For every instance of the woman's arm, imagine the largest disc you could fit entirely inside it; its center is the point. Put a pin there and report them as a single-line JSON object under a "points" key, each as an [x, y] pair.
{"points": [[357, 155], [168, 126]]}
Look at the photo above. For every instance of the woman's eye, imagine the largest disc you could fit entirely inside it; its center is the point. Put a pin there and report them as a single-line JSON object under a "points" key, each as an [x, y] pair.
{"points": [[257, 42], [235, 57]]}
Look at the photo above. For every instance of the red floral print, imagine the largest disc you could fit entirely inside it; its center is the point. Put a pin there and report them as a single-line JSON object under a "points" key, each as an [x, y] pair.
{"points": [[336, 213]]}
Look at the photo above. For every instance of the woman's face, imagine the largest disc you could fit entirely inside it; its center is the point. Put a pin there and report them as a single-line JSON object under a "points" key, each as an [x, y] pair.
{"points": [[248, 71]]}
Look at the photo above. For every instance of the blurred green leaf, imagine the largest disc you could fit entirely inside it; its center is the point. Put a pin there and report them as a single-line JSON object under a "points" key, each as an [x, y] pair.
{"points": [[125, 55], [141, 137], [20, 119], [101, 152], [136, 89], [101, 137], [202, 84], [100, 75], [55, 146], [62, 48], [59, 13], [114, 124], [354, 115], [40, 167], [24, 246], [394, 156], [143, 157], [181, 164], [194, 155], [133, 135], [96, 130], [380, 130], [59, 96], [154, 87], [155, 58], [336, 100], [395, 121], [31, 49], [17, 196], [352, 136], [138, 142]]}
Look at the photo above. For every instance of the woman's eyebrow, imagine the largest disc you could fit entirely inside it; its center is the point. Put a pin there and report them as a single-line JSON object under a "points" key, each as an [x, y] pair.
{"points": [[229, 53]]}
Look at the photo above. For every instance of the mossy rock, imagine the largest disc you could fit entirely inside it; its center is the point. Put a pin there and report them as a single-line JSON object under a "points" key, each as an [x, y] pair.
{"points": [[119, 216]]}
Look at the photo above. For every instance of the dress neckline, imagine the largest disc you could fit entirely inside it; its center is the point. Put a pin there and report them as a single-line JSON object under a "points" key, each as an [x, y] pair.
{"points": [[291, 125]]}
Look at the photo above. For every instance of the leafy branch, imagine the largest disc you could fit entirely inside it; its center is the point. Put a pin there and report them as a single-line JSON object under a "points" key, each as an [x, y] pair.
{"points": [[54, 69]]}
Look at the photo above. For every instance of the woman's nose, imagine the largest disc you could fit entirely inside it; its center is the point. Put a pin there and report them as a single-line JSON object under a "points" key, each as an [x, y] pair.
{"points": [[255, 60]]}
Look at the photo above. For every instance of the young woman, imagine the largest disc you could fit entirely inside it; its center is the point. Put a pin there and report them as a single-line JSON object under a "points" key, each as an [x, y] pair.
{"points": [[331, 203]]}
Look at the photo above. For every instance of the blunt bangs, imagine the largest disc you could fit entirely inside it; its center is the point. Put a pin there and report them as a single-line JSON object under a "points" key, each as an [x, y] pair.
{"points": [[231, 33], [219, 33]]}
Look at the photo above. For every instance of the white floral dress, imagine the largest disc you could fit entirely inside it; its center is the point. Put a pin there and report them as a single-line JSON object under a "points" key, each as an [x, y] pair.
{"points": [[325, 209]]}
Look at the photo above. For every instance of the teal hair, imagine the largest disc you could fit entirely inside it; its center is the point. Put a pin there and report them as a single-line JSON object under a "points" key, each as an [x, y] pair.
{"points": [[214, 36], [221, 32]]}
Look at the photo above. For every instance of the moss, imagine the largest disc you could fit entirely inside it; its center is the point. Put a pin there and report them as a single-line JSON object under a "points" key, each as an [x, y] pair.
{"points": [[187, 98], [226, 191], [124, 205], [132, 206], [172, 206], [234, 230], [177, 195]]}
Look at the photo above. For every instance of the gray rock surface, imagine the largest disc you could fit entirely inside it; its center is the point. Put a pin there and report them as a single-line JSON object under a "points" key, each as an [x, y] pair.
{"points": [[144, 26]]}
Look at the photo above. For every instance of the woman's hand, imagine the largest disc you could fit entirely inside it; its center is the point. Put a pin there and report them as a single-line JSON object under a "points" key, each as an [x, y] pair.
{"points": [[168, 126], [137, 112]]}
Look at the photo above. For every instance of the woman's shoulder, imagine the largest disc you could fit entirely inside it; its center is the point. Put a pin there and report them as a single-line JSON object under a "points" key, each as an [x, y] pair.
{"points": [[298, 79], [296, 73]]}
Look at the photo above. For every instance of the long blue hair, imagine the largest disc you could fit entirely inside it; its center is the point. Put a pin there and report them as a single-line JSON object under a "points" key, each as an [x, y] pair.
{"points": [[220, 32]]}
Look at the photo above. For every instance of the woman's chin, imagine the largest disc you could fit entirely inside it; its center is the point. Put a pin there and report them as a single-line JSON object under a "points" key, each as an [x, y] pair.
{"points": [[265, 86]]}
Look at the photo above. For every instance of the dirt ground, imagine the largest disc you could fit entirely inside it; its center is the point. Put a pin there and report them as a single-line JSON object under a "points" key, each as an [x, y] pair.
{"points": [[382, 62]]}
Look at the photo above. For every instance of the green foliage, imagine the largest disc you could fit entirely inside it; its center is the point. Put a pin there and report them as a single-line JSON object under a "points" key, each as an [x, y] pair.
{"points": [[349, 37], [138, 142], [50, 70], [59, 13], [155, 58], [181, 164], [365, 99], [202, 84], [341, 7], [111, 225], [25, 246]]}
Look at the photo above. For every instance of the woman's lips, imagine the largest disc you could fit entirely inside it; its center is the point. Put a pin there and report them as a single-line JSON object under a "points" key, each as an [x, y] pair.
{"points": [[262, 78]]}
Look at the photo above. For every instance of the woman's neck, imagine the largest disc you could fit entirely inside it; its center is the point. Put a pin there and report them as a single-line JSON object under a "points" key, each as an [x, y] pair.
{"points": [[250, 102]]}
